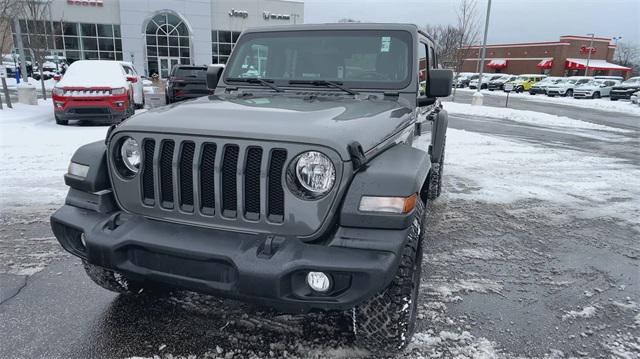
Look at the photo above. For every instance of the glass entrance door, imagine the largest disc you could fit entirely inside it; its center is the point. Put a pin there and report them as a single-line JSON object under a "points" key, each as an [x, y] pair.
{"points": [[165, 64]]}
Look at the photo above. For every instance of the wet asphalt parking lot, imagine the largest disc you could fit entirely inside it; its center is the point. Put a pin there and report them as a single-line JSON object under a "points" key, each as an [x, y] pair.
{"points": [[521, 279]]}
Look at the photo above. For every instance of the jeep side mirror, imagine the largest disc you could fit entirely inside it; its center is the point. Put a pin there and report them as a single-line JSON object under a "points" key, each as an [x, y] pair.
{"points": [[214, 72], [439, 83]]}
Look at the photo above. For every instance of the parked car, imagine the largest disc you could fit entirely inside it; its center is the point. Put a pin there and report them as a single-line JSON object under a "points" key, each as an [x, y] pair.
{"points": [[524, 82], [498, 83], [625, 89], [51, 67], [619, 78], [473, 84], [594, 89], [635, 98], [541, 86], [294, 203], [137, 84], [97, 90], [567, 86], [185, 82], [462, 79]]}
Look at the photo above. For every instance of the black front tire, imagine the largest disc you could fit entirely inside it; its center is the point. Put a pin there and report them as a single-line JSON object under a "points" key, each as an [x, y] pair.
{"points": [[596, 95], [614, 99], [61, 122], [569, 93], [435, 176], [111, 280], [386, 322]]}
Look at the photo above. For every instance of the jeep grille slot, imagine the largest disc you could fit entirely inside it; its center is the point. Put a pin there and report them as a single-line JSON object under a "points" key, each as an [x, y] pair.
{"points": [[229, 181], [148, 190], [275, 201], [186, 176], [252, 183], [207, 182], [166, 174]]}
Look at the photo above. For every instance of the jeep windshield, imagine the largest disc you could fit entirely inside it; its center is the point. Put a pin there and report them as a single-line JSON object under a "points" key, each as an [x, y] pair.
{"points": [[349, 58]]}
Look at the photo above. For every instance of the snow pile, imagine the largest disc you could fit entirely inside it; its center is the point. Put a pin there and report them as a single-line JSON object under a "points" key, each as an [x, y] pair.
{"points": [[586, 312], [35, 153], [445, 290], [495, 170], [48, 84], [528, 117], [451, 345], [94, 73], [603, 104]]}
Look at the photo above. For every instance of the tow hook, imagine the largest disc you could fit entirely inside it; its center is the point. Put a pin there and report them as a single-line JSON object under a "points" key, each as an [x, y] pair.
{"points": [[270, 246]]}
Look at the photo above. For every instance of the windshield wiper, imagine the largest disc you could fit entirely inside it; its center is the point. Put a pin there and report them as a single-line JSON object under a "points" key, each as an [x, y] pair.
{"points": [[337, 85], [255, 80]]}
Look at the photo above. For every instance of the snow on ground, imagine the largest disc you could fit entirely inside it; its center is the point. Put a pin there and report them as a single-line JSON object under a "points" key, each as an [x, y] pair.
{"points": [[604, 104], [586, 312], [529, 117], [504, 171], [48, 84], [35, 153]]}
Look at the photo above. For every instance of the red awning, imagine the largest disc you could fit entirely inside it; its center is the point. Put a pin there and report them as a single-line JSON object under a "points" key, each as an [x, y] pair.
{"points": [[581, 64], [497, 64], [545, 64]]}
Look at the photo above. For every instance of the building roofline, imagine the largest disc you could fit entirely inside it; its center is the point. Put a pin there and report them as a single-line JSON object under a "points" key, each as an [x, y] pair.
{"points": [[539, 43], [586, 37]]}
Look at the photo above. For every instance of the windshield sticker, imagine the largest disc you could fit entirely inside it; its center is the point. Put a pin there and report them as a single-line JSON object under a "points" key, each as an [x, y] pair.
{"points": [[259, 101], [385, 43], [340, 72]]}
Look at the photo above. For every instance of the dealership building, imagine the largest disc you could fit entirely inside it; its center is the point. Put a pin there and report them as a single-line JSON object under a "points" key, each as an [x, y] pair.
{"points": [[566, 57], [155, 34]]}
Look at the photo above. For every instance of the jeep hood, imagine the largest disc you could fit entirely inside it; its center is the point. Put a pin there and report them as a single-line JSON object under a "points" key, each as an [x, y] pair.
{"points": [[330, 121]]}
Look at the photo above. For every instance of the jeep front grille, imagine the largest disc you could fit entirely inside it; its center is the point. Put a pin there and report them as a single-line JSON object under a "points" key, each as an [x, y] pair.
{"points": [[178, 164]]}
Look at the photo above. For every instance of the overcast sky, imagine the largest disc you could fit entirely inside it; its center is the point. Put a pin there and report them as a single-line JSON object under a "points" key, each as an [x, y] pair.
{"points": [[511, 20]]}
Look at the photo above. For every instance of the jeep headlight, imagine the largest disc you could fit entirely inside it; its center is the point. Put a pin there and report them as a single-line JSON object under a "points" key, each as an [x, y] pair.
{"points": [[126, 155], [130, 152], [314, 173]]}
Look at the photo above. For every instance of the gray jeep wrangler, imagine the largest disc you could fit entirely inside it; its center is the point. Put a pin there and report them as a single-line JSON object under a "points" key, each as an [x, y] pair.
{"points": [[295, 185]]}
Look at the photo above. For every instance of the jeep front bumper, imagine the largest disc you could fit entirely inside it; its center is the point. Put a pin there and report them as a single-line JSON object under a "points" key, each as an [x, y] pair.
{"points": [[260, 268]]}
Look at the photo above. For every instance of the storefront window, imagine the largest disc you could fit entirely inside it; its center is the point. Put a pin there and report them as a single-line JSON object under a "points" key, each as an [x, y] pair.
{"points": [[222, 44], [167, 44], [80, 41]]}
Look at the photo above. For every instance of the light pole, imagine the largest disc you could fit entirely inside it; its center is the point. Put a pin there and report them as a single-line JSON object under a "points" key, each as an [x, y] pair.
{"points": [[477, 97], [586, 70], [615, 43]]}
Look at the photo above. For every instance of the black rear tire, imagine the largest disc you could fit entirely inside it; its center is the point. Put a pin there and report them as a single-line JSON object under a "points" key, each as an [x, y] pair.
{"points": [[614, 99], [386, 322], [596, 95], [569, 93]]}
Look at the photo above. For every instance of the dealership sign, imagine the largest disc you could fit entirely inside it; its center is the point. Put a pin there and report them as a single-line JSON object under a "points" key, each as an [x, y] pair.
{"points": [[238, 13], [86, 2], [268, 15], [586, 49]]}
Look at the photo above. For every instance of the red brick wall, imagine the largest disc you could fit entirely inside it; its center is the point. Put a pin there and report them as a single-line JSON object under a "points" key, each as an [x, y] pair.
{"points": [[523, 58]]}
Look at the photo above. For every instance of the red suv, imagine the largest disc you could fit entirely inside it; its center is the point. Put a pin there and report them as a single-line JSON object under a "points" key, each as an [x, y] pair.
{"points": [[95, 90]]}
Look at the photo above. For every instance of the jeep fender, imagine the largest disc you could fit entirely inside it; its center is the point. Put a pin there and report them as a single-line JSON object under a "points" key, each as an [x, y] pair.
{"points": [[438, 135], [97, 179], [398, 172]]}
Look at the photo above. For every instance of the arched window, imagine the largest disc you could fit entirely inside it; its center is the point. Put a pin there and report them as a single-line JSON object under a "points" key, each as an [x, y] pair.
{"points": [[168, 44]]}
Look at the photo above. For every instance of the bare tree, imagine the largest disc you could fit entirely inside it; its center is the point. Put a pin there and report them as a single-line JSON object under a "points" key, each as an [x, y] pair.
{"points": [[37, 43], [447, 37], [8, 9], [627, 54]]}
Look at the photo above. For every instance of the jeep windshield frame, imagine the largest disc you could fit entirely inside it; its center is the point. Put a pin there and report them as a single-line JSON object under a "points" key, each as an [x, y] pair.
{"points": [[356, 59]]}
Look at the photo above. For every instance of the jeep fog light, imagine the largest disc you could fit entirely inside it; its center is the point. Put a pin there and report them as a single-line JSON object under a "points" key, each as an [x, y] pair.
{"points": [[388, 204], [318, 281], [78, 170]]}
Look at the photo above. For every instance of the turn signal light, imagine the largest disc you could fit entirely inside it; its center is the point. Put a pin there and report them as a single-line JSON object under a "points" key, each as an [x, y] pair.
{"points": [[397, 205]]}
